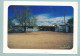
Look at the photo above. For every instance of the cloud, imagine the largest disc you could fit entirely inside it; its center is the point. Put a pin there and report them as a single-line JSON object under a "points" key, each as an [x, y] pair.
{"points": [[45, 20], [15, 22]]}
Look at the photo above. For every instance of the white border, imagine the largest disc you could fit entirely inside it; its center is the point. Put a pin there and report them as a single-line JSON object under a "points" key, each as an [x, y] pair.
{"points": [[42, 51]]}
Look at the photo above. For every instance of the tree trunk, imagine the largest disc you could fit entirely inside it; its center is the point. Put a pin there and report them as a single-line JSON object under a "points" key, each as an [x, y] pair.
{"points": [[24, 28]]}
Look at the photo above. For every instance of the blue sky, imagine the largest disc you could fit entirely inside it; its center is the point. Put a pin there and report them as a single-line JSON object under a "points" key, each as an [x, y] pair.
{"points": [[48, 14]]}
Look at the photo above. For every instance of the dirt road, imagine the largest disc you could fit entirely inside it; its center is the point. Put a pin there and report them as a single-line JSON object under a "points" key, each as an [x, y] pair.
{"points": [[40, 40]]}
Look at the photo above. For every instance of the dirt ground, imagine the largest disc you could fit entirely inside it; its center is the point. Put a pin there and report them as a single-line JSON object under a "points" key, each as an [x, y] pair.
{"points": [[40, 40]]}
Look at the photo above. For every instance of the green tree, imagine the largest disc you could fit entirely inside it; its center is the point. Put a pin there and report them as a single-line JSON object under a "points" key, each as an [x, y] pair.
{"points": [[10, 23], [34, 22], [70, 21]]}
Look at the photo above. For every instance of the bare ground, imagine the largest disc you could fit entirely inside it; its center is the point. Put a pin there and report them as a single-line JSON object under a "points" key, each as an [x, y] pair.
{"points": [[40, 40]]}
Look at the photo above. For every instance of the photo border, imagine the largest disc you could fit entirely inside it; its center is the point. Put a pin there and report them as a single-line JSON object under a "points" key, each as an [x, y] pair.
{"points": [[40, 51]]}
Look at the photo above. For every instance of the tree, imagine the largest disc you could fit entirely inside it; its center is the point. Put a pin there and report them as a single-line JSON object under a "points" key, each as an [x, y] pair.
{"points": [[34, 22], [22, 16], [10, 24], [70, 23]]}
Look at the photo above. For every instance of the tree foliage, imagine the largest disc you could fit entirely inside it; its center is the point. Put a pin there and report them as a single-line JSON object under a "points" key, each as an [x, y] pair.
{"points": [[34, 22], [70, 21], [10, 23], [23, 16]]}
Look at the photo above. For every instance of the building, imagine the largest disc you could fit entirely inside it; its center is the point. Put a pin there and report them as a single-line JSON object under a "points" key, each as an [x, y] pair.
{"points": [[39, 28], [46, 28], [56, 28], [64, 28]]}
